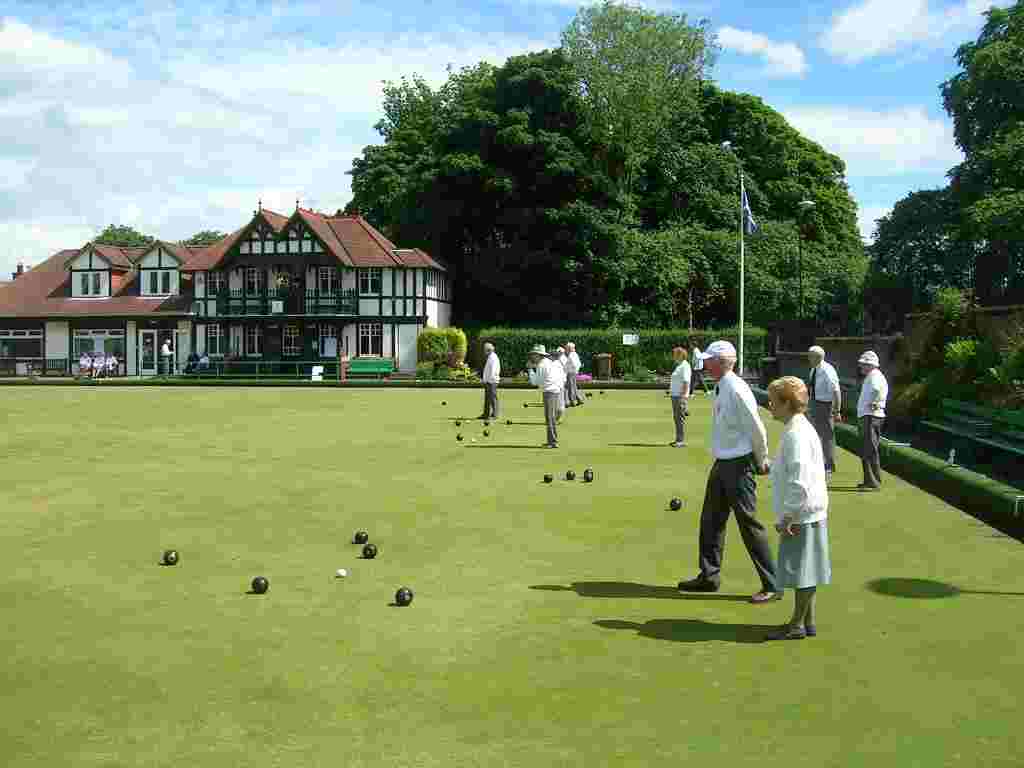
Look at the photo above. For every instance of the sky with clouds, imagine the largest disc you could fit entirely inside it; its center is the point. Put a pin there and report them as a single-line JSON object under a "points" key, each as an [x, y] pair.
{"points": [[174, 117]]}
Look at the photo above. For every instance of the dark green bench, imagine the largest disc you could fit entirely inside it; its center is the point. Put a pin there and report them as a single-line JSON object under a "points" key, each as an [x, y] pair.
{"points": [[963, 419], [371, 366], [1007, 433]]}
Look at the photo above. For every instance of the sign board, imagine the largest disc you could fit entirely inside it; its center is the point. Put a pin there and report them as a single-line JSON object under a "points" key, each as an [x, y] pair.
{"points": [[276, 307], [630, 339], [317, 373]]}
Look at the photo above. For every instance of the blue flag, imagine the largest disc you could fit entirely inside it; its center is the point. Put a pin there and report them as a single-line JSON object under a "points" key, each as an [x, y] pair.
{"points": [[749, 225]]}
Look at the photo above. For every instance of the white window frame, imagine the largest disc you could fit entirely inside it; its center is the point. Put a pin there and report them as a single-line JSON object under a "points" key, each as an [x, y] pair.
{"points": [[291, 341], [332, 278], [371, 332], [261, 281], [326, 332], [215, 333], [215, 282], [367, 277], [254, 334]]}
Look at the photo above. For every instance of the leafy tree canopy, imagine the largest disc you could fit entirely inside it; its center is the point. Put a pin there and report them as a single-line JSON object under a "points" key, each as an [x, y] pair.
{"points": [[121, 235], [206, 237]]}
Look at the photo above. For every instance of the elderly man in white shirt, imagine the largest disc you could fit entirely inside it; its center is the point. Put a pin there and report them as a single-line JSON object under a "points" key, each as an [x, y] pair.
{"points": [[572, 368], [165, 357], [679, 389], [825, 407], [800, 499], [491, 378], [740, 448], [546, 375], [871, 414]]}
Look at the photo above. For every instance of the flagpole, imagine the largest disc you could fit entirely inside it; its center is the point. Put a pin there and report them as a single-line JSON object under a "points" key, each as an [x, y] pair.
{"points": [[742, 214]]}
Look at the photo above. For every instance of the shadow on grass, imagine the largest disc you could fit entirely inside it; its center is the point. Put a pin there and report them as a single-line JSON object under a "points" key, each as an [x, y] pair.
{"points": [[640, 445], [692, 630], [505, 445], [846, 489], [629, 589], [926, 589]]}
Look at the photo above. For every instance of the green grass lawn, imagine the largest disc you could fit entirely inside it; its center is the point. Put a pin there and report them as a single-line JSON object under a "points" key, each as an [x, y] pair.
{"points": [[546, 629]]}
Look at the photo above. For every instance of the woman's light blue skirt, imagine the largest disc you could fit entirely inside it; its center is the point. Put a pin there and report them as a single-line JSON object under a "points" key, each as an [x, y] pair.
{"points": [[803, 559]]}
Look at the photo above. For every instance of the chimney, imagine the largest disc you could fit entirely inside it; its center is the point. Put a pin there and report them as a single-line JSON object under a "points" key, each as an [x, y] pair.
{"points": [[21, 271]]}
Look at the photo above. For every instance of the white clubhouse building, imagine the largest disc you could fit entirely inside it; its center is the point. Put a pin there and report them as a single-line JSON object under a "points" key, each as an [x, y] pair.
{"points": [[304, 288]]}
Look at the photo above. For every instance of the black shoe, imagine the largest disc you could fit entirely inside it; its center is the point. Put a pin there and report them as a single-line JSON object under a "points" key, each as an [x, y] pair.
{"points": [[787, 633], [699, 584], [811, 630]]}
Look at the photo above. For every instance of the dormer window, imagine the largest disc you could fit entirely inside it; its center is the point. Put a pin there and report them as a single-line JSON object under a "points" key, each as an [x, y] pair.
{"points": [[159, 274]]}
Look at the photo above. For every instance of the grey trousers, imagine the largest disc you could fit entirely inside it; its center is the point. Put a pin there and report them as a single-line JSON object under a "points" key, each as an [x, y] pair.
{"points": [[824, 424], [870, 434], [490, 401], [732, 487], [679, 417], [552, 410], [572, 391]]}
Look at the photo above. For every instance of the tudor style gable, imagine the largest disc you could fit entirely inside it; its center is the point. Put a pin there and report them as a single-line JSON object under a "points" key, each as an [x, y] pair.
{"points": [[159, 271], [91, 274]]}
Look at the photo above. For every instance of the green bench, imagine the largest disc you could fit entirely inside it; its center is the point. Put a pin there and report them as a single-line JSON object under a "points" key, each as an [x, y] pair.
{"points": [[1007, 433], [371, 366], [963, 419]]}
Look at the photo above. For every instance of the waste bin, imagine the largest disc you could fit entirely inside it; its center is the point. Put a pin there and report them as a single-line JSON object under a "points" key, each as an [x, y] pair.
{"points": [[603, 366]]}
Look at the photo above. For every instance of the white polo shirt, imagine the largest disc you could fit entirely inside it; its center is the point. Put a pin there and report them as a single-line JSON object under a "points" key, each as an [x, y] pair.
{"points": [[799, 487], [737, 428], [574, 364], [548, 376], [680, 386], [492, 369], [873, 394], [826, 382]]}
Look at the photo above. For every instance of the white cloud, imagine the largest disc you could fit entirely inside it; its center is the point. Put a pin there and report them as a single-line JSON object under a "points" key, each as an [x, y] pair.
{"points": [[87, 139], [867, 215], [781, 59], [879, 143], [876, 27]]}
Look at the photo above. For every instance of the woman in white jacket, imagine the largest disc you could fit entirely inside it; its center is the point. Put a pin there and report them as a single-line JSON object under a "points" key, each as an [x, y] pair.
{"points": [[800, 500]]}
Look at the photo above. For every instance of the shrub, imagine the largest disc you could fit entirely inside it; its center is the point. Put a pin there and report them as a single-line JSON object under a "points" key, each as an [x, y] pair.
{"points": [[457, 345], [960, 356], [463, 373], [432, 346], [425, 371]]}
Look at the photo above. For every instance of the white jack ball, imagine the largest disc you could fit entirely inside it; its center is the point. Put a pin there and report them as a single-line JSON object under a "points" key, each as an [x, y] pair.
{"points": [[342, 573]]}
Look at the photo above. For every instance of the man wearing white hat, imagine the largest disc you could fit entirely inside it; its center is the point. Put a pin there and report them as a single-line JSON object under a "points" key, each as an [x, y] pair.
{"points": [[825, 404], [739, 444], [546, 375], [871, 413]]}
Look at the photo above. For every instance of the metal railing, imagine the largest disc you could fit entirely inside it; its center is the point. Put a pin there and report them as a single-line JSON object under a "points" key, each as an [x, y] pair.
{"points": [[34, 366], [237, 303]]}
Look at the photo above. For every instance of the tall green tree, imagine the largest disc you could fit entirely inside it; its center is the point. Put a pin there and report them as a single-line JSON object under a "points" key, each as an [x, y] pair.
{"points": [[638, 73], [205, 237], [986, 101], [123, 235]]}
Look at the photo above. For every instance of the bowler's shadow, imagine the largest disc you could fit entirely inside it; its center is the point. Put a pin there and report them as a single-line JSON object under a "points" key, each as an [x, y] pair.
{"points": [[639, 445], [508, 445], [692, 630], [626, 589], [926, 589]]}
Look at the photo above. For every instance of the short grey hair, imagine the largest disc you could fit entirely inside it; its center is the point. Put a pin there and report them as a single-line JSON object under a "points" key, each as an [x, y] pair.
{"points": [[488, 347]]}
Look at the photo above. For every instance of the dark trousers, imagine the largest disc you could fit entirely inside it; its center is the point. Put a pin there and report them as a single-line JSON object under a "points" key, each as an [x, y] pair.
{"points": [[552, 410], [732, 487], [824, 424], [490, 401], [698, 378], [679, 417], [870, 434]]}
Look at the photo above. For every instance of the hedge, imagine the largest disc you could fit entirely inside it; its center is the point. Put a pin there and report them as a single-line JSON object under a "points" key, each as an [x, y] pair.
{"points": [[982, 497], [654, 351], [442, 346]]}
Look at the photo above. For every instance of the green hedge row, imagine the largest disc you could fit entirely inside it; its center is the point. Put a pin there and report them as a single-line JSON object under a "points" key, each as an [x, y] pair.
{"points": [[654, 352], [982, 497]]}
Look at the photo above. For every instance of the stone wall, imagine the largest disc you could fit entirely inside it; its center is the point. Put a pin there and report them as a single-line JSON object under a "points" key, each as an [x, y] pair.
{"points": [[842, 352], [997, 324]]}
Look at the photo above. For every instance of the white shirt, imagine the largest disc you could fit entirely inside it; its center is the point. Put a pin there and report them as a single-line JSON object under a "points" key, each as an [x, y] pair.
{"points": [[681, 380], [873, 394], [698, 364], [737, 428], [826, 382], [548, 376], [492, 369], [799, 489], [111, 363], [573, 365], [84, 362], [165, 350]]}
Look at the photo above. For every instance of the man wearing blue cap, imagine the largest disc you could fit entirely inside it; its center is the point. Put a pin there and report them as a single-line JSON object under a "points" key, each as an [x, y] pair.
{"points": [[739, 444]]}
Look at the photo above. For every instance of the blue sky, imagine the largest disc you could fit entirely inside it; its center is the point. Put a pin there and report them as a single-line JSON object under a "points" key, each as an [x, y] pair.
{"points": [[177, 117]]}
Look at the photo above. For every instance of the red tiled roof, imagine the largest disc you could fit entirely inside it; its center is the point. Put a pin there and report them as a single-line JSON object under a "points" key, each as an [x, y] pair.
{"points": [[119, 256], [209, 256], [43, 291]]}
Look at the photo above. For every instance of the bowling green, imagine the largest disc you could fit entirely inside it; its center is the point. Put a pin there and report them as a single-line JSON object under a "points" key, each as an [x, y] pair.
{"points": [[546, 629]]}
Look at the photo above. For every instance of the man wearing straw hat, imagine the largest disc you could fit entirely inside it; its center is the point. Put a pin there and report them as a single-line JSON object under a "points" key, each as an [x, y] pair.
{"points": [[825, 404], [546, 375], [739, 444], [871, 414]]}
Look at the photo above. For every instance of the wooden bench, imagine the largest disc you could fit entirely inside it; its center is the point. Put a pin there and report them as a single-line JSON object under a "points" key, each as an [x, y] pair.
{"points": [[1007, 433], [963, 419], [371, 366]]}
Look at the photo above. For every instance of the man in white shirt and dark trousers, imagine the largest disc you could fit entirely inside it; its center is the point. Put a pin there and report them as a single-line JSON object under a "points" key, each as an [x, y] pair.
{"points": [[165, 357], [740, 448], [871, 414], [680, 392], [825, 404], [698, 367], [546, 375], [491, 377], [572, 368]]}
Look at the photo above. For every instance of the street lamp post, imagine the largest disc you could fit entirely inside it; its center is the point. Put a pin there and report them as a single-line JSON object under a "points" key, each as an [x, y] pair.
{"points": [[805, 205], [727, 146]]}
